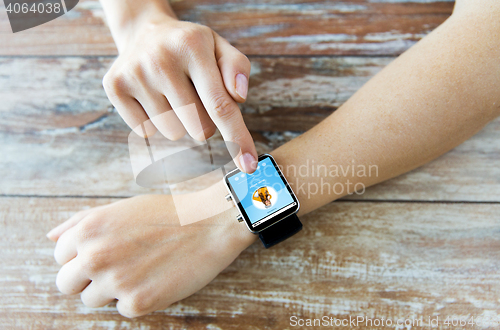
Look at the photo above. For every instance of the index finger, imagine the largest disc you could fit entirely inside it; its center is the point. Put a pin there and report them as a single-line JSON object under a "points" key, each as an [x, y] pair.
{"points": [[224, 111]]}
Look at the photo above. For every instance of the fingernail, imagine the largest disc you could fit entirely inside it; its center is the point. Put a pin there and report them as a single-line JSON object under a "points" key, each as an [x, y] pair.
{"points": [[248, 162], [241, 85]]}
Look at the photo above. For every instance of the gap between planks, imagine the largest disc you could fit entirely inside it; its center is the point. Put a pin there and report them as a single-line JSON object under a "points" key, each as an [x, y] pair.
{"points": [[336, 201], [249, 56]]}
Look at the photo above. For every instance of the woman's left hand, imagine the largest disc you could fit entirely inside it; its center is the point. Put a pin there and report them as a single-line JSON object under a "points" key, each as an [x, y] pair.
{"points": [[136, 251]]}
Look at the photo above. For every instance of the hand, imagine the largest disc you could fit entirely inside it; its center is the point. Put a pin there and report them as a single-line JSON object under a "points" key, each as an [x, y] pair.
{"points": [[135, 251], [166, 64]]}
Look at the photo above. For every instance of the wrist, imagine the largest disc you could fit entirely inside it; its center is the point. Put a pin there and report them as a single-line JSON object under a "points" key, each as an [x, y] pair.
{"points": [[209, 208], [238, 235], [126, 24]]}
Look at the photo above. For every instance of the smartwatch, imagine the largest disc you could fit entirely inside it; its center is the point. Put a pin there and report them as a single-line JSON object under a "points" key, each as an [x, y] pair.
{"points": [[265, 201]]}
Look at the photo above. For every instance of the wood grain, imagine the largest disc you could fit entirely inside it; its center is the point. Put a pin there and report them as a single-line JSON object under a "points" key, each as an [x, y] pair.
{"points": [[60, 136], [352, 27], [400, 251], [397, 260]]}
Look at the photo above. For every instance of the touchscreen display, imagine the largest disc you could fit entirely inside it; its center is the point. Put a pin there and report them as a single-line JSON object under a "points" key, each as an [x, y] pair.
{"points": [[262, 195]]}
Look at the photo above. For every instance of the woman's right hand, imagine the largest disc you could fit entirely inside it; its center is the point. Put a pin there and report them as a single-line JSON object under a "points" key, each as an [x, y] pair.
{"points": [[165, 64]]}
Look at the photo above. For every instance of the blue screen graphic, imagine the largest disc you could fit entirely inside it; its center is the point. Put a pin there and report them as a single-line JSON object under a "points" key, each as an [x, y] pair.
{"points": [[262, 192]]}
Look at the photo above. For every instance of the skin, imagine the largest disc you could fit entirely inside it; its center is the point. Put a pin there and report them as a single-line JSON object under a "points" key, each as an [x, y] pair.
{"points": [[165, 64], [429, 100]]}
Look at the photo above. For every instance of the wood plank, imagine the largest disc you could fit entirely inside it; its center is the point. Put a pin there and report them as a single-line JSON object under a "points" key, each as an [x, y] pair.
{"points": [[352, 27], [285, 94], [59, 135], [391, 260]]}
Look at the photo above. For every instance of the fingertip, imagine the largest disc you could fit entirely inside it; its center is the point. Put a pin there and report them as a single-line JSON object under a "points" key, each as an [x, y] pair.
{"points": [[53, 234], [173, 133], [176, 137], [248, 163], [145, 130], [51, 237]]}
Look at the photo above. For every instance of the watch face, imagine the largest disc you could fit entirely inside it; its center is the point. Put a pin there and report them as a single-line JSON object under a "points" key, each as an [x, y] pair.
{"points": [[263, 197]]}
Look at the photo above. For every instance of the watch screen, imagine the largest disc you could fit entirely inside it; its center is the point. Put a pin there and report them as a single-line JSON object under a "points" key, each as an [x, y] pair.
{"points": [[262, 196]]}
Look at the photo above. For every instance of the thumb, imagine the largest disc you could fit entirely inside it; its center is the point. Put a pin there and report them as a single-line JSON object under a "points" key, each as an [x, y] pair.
{"points": [[234, 67]]}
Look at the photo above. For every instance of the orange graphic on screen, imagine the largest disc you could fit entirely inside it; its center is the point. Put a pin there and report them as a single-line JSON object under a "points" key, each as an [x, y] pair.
{"points": [[263, 195]]}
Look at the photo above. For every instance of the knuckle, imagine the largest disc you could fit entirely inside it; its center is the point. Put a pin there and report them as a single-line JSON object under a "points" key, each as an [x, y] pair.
{"points": [[60, 283], [85, 300], [64, 282], [222, 106], [88, 228], [88, 302], [60, 247], [114, 84], [243, 59], [141, 303], [93, 260], [124, 309], [192, 38], [136, 304]]}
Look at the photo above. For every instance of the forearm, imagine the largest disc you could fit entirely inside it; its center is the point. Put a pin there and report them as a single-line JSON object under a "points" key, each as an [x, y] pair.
{"points": [[429, 100], [426, 102], [123, 16]]}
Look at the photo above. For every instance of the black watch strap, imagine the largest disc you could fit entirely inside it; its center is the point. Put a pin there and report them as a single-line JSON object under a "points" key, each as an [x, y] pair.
{"points": [[280, 231]]}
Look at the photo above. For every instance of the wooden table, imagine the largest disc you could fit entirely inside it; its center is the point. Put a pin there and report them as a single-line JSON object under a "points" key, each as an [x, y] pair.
{"points": [[425, 244]]}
